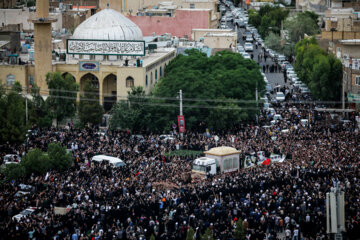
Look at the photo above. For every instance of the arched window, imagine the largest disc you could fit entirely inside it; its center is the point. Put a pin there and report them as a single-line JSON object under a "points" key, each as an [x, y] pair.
{"points": [[151, 78], [146, 80], [160, 71], [155, 74], [129, 82], [10, 80]]}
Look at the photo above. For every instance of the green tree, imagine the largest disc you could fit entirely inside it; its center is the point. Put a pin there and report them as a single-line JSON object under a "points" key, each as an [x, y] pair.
{"points": [[190, 235], [62, 100], [221, 89], [322, 72], [207, 235], [132, 114], [30, 3], [59, 158], [268, 19], [13, 171], [90, 110], [273, 41], [12, 110], [301, 24], [35, 161], [239, 231]]}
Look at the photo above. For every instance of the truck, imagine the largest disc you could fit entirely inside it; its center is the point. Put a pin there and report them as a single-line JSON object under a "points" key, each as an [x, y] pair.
{"points": [[216, 161], [202, 167]]}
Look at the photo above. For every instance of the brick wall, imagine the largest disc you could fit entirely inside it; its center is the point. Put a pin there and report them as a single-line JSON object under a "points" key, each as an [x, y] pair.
{"points": [[181, 25]]}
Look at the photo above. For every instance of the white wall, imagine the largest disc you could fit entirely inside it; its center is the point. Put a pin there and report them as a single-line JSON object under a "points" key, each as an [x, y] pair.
{"points": [[18, 16]]}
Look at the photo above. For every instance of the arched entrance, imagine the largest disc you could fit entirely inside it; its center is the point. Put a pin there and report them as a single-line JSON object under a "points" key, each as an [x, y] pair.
{"points": [[89, 77], [66, 74], [109, 91]]}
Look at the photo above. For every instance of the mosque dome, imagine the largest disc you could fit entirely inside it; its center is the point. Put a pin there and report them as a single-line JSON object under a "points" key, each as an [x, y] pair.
{"points": [[108, 24]]}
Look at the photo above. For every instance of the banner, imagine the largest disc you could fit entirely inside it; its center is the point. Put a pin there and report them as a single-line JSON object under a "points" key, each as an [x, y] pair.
{"points": [[181, 123], [105, 47], [354, 98]]}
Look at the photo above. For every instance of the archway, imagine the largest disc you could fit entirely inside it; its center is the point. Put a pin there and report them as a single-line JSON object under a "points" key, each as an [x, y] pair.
{"points": [[89, 77], [68, 74], [129, 82], [109, 91]]}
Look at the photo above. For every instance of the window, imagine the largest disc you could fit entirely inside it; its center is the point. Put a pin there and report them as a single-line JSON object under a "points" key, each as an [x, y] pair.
{"points": [[31, 80], [192, 5], [146, 80], [155, 74], [227, 164], [160, 72], [129, 82], [10, 80], [151, 78], [357, 80], [235, 163]]}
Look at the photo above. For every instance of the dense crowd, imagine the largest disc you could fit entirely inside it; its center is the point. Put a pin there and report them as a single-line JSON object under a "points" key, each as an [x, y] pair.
{"points": [[152, 194]]}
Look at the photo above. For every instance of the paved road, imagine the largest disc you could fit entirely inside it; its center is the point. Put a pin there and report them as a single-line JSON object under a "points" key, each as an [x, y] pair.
{"points": [[274, 79]]}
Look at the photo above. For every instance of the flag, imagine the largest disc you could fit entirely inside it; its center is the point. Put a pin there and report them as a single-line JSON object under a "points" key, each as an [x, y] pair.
{"points": [[266, 162]]}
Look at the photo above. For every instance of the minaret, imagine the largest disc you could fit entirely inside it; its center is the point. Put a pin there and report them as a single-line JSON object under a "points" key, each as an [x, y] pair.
{"points": [[43, 44]]}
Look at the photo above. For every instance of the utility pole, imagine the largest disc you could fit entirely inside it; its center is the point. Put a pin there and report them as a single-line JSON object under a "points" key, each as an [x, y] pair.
{"points": [[256, 95], [181, 111], [181, 106], [26, 111], [343, 90]]}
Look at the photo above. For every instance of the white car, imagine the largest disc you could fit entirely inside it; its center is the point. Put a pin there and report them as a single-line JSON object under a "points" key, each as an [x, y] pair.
{"points": [[297, 83], [246, 55], [24, 213], [239, 48], [248, 38], [304, 90], [280, 96], [248, 47], [12, 158], [165, 138]]}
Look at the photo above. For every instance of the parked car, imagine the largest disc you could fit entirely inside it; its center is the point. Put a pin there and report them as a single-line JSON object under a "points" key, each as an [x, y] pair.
{"points": [[165, 138], [280, 96], [248, 47], [24, 213], [297, 83], [246, 55], [281, 58], [304, 90], [249, 39], [12, 158]]}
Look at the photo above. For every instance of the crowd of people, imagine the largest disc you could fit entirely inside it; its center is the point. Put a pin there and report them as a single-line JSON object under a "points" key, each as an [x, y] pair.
{"points": [[151, 195]]}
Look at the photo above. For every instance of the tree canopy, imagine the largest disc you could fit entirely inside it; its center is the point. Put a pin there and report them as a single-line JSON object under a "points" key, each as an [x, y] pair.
{"points": [[62, 100], [217, 90], [268, 19], [296, 26], [300, 24], [12, 115], [322, 72], [90, 110]]}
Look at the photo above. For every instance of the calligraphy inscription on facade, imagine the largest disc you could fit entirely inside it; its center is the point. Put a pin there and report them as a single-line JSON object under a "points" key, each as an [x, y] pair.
{"points": [[131, 48]]}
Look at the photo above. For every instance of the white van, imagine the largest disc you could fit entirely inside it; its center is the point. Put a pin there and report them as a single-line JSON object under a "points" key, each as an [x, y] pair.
{"points": [[113, 161]]}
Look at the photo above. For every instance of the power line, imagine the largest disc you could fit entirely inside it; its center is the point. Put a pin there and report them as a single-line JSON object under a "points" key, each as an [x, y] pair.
{"points": [[184, 99]]}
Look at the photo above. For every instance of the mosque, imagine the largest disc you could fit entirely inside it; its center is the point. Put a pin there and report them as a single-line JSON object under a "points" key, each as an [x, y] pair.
{"points": [[107, 48]]}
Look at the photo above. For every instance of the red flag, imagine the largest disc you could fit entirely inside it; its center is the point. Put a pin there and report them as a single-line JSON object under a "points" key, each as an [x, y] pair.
{"points": [[266, 162]]}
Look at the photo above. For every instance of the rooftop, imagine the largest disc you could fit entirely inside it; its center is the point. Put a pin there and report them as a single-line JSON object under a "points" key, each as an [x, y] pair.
{"points": [[222, 151]]}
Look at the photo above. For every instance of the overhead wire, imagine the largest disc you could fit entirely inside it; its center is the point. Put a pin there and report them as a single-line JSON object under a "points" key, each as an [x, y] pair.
{"points": [[47, 91]]}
